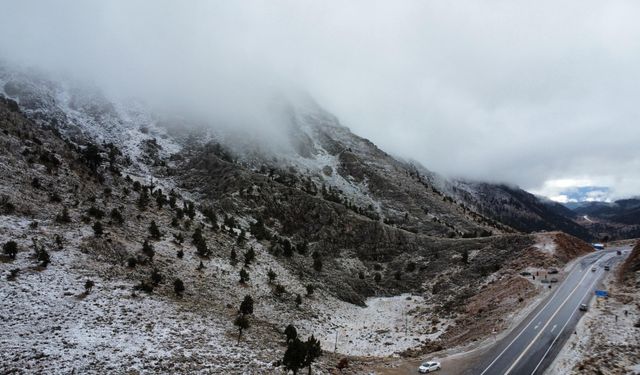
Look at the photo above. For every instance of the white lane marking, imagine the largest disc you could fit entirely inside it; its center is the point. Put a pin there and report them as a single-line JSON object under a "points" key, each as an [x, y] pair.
{"points": [[563, 327], [554, 327], [532, 320], [537, 325], [545, 326]]}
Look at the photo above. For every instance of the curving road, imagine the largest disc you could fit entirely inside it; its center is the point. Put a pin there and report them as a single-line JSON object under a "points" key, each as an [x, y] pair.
{"points": [[532, 346]]}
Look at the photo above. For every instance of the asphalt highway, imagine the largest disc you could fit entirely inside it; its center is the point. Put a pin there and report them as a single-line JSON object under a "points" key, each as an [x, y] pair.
{"points": [[532, 346]]}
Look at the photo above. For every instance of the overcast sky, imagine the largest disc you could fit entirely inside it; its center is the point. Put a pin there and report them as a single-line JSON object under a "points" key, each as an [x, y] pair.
{"points": [[542, 94]]}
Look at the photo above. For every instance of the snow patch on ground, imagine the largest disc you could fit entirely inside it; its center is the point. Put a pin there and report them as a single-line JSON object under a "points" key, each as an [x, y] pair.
{"points": [[386, 326], [545, 243], [107, 330]]}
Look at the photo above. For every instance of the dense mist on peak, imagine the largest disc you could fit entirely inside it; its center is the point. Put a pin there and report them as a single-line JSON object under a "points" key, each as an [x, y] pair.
{"points": [[516, 92]]}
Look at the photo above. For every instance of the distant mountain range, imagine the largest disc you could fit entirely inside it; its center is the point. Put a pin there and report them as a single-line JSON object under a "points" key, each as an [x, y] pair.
{"points": [[517, 208], [619, 219]]}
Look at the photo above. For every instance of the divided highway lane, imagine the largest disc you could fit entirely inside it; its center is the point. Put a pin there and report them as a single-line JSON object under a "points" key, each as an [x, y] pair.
{"points": [[533, 345]]}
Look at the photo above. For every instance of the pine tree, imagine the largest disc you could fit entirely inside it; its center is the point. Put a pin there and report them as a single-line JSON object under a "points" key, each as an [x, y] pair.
{"points": [[279, 290], [143, 199], [116, 216], [291, 333], [287, 249], [271, 275], [259, 231], [64, 216], [189, 209], [294, 356], [313, 351], [298, 300], [178, 238], [13, 274], [244, 276], [317, 264], [242, 322], [154, 231], [210, 214], [172, 199], [241, 237], [310, 289], [97, 229], [178, 287], [302, 248], [148, 250], [249, 256], [88, 286], [197, 237], [95, 212], [161, 199], [246, 306], [233, 257], [43, 258], [10, 249], [156, 277], [202, 249], [229, 221]]}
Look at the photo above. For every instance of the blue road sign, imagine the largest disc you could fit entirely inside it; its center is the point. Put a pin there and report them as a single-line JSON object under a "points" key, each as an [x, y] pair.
{"points": [[601, 293]]}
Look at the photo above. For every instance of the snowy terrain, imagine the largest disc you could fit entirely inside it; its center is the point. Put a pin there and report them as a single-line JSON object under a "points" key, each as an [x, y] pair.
{"points": [[546, 244], [387, 325]]}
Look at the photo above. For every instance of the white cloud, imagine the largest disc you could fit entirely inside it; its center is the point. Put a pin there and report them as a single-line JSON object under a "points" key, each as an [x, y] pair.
{"points": [[561, 198]]}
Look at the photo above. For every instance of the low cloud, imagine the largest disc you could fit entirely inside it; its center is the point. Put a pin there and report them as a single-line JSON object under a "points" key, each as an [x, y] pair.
{"points": [[518, 92]]}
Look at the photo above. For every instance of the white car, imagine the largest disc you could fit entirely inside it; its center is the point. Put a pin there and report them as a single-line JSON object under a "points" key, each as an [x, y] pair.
{"points": [[429, 367]]}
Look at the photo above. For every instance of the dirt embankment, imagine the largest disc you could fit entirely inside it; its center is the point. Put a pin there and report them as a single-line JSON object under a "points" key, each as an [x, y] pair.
{"points": [[489, 311], [570, 247], [630, 268]]}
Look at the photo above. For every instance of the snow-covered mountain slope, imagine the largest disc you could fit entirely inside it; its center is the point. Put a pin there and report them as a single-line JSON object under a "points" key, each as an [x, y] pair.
{"points": [[93, 193], [84, 114], [314, 149], [318, 149]]}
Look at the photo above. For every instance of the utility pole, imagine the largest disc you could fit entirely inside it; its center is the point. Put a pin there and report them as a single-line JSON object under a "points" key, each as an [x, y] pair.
{"points": [[335, 347], [405, 322]]}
